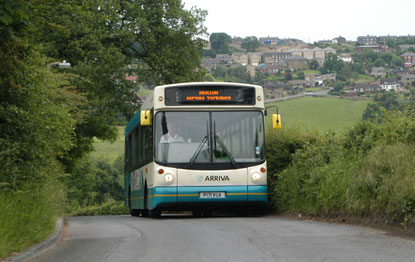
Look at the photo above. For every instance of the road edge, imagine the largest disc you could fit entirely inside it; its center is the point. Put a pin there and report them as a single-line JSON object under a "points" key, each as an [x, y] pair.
{"points": [[41, 247]]}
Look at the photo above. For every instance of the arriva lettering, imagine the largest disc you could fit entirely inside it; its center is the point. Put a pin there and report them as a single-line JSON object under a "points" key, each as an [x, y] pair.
{"points": [[217, 178]]}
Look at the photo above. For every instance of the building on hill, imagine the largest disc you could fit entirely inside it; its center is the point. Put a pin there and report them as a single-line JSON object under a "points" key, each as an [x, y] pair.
{"points": [[390, 84], [347, 58], [224, 59], [240, 58], [367, 88], [407, 79], [272, 68], [367, 40], [378, 71], [269, 40], [409, 58], [339, 40], [296, 62], [274, 57], [254, 58]]}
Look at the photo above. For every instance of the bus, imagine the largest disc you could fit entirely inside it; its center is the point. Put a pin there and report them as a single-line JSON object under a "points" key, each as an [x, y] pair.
{"points": [[197, 147]]}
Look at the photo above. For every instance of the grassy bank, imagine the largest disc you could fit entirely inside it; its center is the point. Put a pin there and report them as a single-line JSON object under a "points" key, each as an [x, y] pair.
{"points": [[28, 216], [319, 113], [366, 172]]}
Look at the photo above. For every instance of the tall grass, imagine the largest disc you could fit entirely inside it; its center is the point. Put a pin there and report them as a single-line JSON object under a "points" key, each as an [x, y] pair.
{"points": [[28, 216]]}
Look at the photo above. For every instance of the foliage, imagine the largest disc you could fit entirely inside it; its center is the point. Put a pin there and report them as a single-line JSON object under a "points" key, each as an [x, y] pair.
{"points": [[220, 43], [94, 184], [29, 215], [366, 172], [313, 64], [250, 43], [36, 125], [232, 74], [109, 208]]}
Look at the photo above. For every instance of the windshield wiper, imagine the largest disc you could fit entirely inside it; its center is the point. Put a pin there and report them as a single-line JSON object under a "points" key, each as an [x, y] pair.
{"points": [[227, 152], [199, 148]]}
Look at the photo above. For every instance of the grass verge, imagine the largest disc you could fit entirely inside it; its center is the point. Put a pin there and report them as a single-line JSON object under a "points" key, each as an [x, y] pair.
{"points": [[28, 216]]}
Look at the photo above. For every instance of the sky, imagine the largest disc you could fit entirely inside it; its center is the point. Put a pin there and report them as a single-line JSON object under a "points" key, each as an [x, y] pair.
{"points": [[308, 20]]}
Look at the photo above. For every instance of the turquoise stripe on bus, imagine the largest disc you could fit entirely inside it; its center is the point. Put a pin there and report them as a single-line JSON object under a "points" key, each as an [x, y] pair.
{"points": [[258, 193]]}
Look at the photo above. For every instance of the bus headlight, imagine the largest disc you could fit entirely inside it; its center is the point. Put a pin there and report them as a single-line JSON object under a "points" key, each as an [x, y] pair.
{"points": [[256, 176], [168, 178]]}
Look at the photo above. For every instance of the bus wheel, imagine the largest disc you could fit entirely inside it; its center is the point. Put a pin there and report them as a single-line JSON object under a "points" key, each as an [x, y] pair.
{"points": [[154, 213], [135, 212]]}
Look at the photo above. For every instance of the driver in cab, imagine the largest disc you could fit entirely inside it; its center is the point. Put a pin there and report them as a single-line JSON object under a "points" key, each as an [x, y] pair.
{"points": [[171, 136]]}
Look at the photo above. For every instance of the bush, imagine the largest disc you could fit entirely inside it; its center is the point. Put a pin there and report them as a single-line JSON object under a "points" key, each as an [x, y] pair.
{"points": [[366, 172]]}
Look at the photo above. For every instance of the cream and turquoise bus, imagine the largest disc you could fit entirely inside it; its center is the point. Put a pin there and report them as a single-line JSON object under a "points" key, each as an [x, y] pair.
{"points": [[197, 147]]}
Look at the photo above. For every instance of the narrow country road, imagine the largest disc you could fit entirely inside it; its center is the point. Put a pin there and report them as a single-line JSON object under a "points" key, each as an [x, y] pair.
{"points": [[126, 238]]}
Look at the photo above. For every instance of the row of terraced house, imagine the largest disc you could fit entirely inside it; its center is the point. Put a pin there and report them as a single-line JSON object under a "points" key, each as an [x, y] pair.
{"points": [[270, 62]]}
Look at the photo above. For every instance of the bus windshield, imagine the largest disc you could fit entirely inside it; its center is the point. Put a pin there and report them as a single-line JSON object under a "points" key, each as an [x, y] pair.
{"points": [[230, 139]]}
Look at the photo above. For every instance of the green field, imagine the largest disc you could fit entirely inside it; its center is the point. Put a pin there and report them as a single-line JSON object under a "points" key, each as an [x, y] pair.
{"points": [[109, 151], [319, 113], [312, 113]]}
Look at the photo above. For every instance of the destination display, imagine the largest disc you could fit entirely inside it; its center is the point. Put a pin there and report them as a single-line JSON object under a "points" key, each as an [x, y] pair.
{"points": [[210, 95]]}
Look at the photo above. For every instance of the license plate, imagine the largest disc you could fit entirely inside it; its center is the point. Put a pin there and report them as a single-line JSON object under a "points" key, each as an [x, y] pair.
{"points": [[212, 195]]}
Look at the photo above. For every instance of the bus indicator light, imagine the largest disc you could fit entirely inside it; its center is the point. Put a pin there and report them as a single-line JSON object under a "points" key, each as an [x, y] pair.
{"points": [[263, 170], [160, 171]]}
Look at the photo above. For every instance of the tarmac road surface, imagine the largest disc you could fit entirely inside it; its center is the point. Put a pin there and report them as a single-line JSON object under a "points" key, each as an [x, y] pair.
{"points": [[182, 239]]}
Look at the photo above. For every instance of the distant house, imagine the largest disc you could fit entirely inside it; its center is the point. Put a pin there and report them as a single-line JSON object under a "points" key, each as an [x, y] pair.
{"points": [[366, 88], [367, 40], [347, 58], [378, 71], [269, 40], [224, 59], [254, 58], [276, 85], [319, 79], [339, 40], [273, 57], [272, 68], [407, 79], [240, 58], [409, 58], [209, 64], [390, 84], [296, 62], [382, 39]]}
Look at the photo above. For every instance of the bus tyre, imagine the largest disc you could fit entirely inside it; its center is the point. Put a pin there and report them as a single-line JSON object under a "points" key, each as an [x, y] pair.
{"points": [[154, 213], [135, 212], [144, 213]]}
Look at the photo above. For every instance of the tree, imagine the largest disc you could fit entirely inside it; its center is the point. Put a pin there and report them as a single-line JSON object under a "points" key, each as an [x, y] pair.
{"points": [[379, 62], [220, 42], [105, 40], [250, 43], [313, 64], [333, 63]]}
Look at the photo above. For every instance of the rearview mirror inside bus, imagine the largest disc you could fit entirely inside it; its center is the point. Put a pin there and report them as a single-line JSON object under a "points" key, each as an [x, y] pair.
{"points": [[145, 119], [276, 121]]}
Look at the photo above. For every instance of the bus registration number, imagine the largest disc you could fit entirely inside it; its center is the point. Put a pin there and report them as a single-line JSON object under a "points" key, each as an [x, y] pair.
{"points": [[212, 195]]}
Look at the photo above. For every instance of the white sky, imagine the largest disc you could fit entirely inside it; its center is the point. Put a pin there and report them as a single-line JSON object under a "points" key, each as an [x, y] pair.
{"points": [[308, 20]]}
